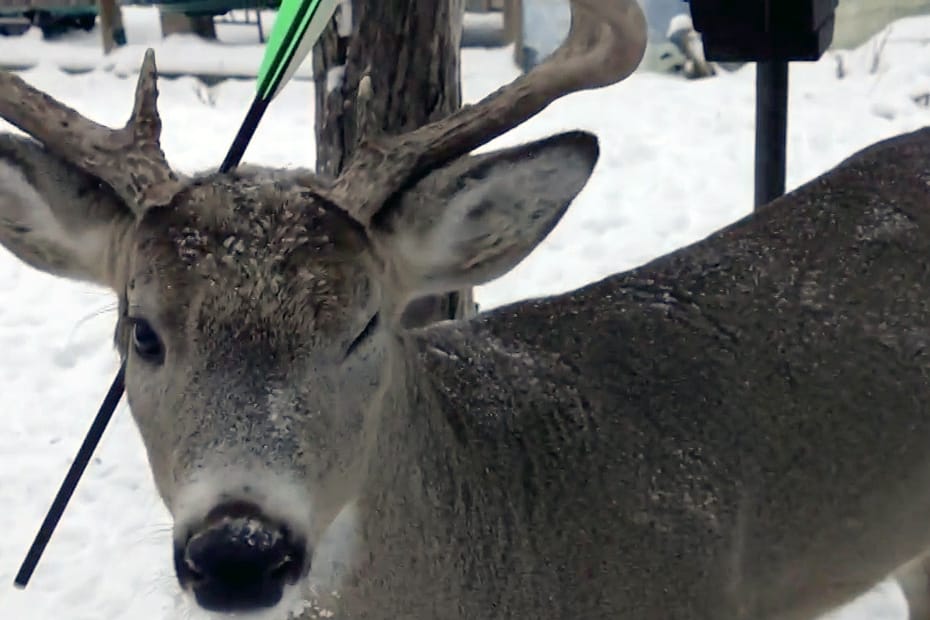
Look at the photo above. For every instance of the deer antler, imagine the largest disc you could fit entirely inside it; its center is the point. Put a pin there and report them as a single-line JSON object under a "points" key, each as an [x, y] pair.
{"points": [[129, 160], [605, 45]]}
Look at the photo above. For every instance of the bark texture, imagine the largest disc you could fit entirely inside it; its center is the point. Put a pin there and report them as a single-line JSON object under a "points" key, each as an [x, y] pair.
{"points": [[405, 56]]}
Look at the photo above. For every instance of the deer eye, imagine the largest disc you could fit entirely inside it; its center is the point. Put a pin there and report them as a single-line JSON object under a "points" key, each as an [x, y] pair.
{"points": [[365, 333], [146, 342]]}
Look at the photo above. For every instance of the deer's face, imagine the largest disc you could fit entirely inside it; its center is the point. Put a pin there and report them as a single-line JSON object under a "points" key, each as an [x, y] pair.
{"points": [[258, 322], [250, 324]]}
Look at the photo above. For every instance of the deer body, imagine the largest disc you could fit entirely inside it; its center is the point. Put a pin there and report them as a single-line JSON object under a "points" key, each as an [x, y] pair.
{"points": [[736, 430], [727, 432]]}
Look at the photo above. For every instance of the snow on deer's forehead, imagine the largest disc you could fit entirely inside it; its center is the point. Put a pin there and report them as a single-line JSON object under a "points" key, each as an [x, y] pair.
{"points": [[263, 234], [254, 252]]}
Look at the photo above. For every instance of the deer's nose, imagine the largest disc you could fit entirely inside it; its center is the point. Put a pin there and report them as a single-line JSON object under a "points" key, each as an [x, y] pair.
{"points": [[239, 559]]}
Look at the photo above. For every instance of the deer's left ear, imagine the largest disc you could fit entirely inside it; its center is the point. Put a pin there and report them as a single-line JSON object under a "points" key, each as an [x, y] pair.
{"points": [[478, 217]]}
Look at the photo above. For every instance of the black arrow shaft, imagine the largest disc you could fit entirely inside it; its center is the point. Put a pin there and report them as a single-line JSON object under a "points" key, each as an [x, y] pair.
{"points": [[110, 402]]}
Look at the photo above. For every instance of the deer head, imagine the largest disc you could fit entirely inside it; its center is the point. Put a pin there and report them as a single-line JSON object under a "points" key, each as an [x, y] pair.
{"points": [[258, 310]]}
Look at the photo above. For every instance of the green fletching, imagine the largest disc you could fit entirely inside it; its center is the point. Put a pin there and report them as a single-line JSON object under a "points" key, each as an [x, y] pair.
{"points": [[298, 26], [314, 28]]}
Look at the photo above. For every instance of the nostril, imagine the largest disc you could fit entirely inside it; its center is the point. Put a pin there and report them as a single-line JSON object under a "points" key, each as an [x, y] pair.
{"points": [[195, 576], [287, 569], [187, 571], [240, 562]]}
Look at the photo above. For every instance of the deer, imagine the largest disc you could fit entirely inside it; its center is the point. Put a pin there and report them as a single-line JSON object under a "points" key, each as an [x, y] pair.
{"points": [[735, 430]]}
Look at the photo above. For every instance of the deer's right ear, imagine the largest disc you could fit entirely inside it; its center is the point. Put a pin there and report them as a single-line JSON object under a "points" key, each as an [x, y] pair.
{"points": [[57, 218], [476, 218]]}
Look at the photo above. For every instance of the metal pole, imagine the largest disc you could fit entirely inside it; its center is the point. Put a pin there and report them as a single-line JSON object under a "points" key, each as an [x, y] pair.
{"points": [[771, 130]]}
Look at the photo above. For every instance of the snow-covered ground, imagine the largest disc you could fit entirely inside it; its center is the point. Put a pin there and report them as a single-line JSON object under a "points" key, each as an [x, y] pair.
{"points": [[676, 164]]}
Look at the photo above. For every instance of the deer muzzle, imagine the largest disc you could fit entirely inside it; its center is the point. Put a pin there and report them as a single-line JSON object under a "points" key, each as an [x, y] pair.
{"points": [[239, 559]]}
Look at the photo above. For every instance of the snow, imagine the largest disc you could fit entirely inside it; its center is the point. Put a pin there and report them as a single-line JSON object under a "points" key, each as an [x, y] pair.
{"points": [[676, 164], [335, 76], [344, 18], [238, 52]]}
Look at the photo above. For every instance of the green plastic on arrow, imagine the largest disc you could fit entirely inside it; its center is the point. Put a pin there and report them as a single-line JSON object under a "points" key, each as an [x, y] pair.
{"points": [[298, 25]]}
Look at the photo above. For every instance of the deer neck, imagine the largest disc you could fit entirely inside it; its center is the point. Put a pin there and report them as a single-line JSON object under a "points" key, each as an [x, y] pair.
{"points": [[408, 427], [441, 454]]}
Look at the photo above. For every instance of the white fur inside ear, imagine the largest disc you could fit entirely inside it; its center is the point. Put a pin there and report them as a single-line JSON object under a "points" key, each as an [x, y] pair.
{"points": [[481, 218], [493, 220], [462, 225], [28, 224]]}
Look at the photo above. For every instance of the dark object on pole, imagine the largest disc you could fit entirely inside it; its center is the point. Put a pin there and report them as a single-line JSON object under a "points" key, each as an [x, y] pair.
{"points": [[764, 30], [771, 130], [771, 33]]}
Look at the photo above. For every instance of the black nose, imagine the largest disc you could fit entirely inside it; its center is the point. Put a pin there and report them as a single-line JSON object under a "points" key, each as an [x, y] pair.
{"points": [[239, 559]]}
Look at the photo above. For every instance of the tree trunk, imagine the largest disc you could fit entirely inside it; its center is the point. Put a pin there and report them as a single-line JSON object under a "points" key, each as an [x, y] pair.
{"points": [[409, 52]]}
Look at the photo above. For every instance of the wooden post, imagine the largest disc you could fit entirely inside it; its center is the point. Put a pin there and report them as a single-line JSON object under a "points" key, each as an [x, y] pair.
{"points": [[111, 25], [513, 26], [513, 21], [181, 23]]}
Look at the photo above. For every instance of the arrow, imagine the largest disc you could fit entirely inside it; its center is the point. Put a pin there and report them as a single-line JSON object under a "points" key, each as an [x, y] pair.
{"points": [[297, 28]]}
